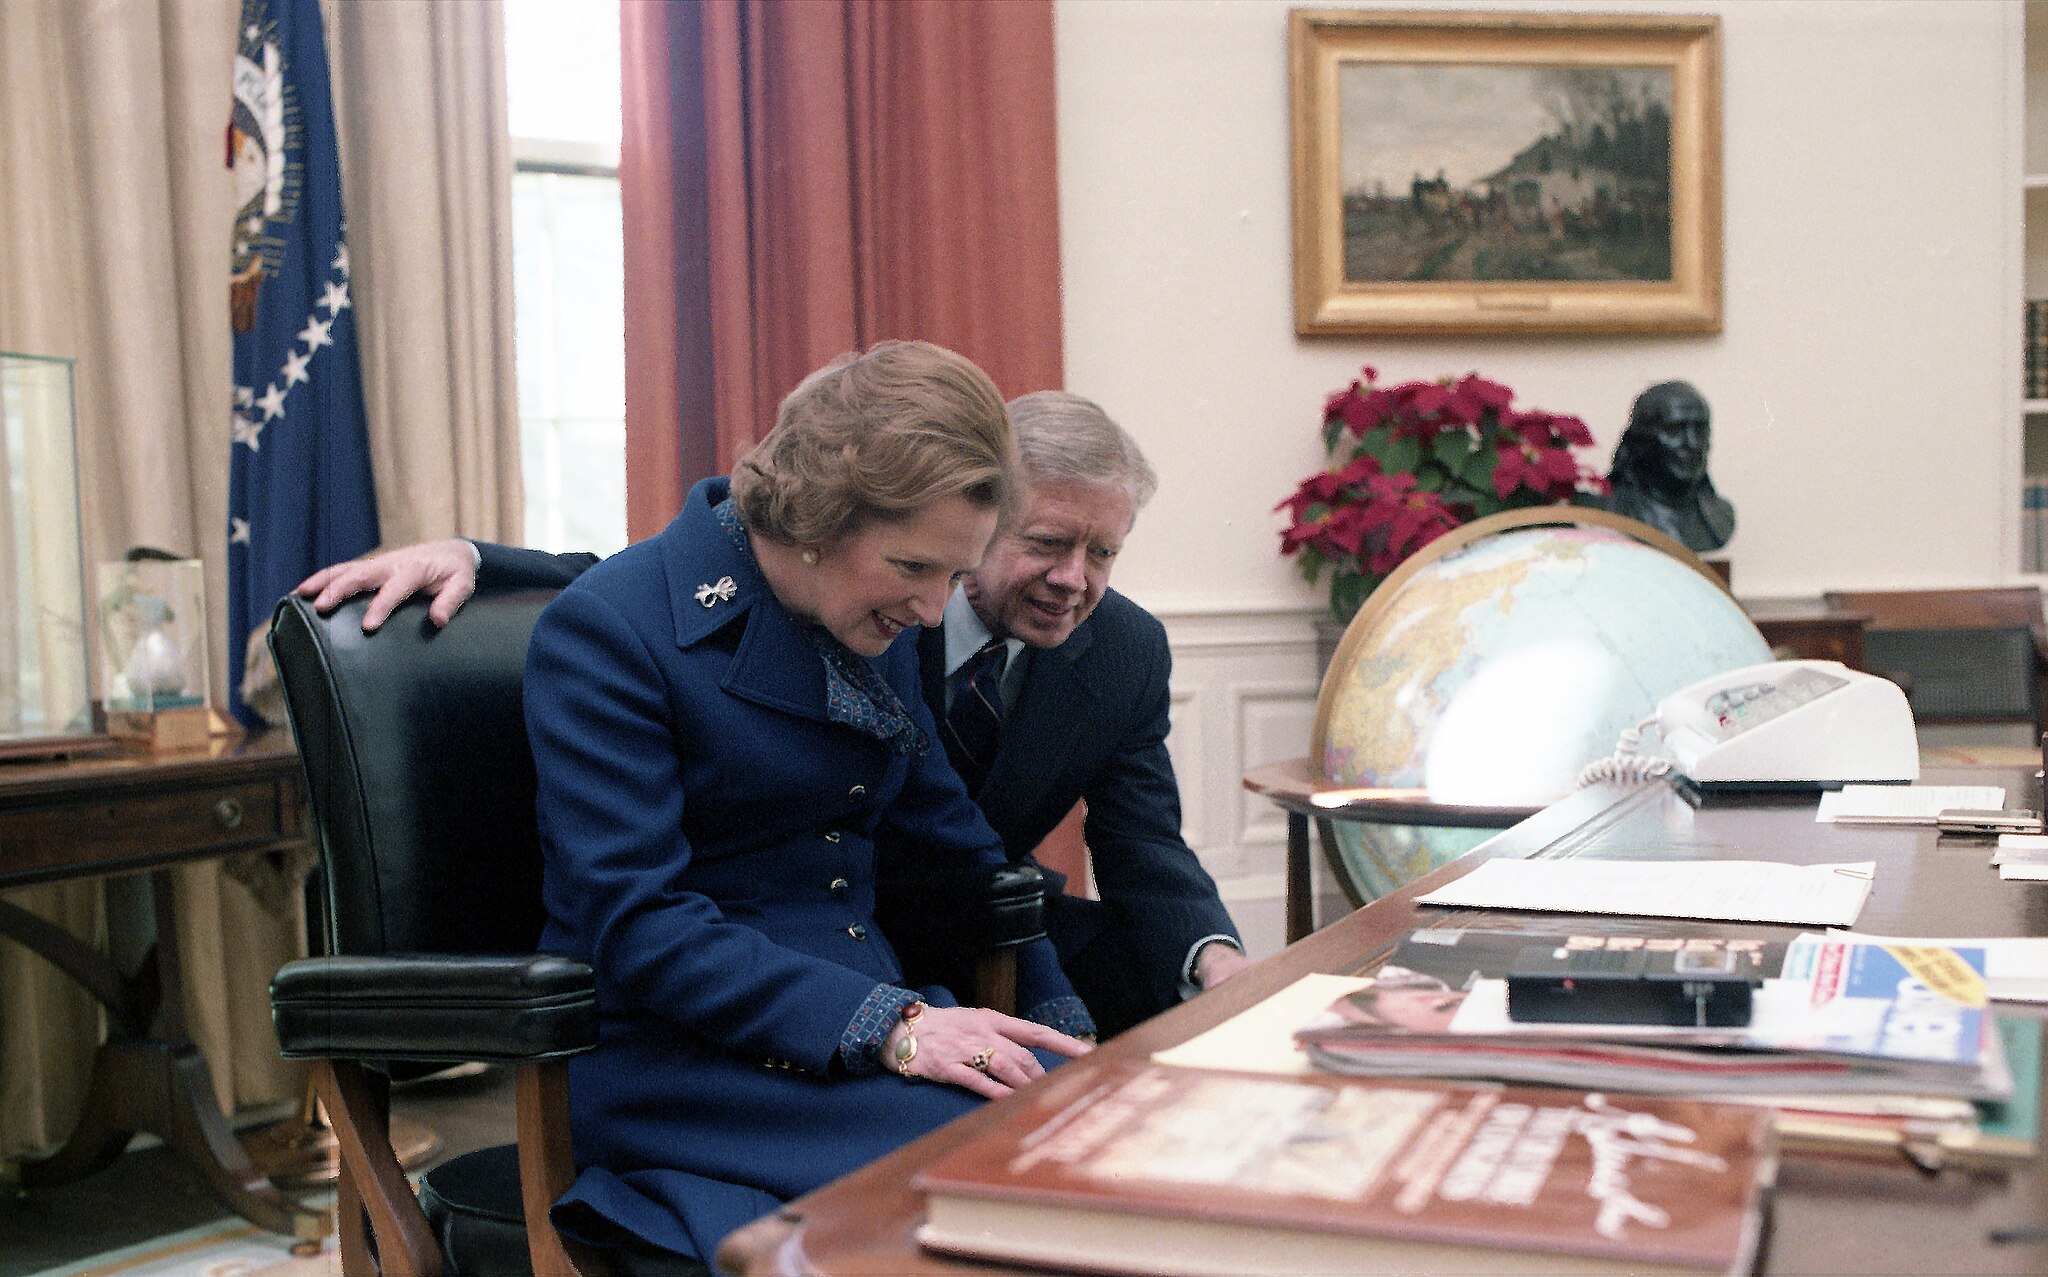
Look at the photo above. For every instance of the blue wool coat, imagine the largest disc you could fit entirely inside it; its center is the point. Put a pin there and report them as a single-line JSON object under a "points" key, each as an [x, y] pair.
{"points": [[710, 838]]}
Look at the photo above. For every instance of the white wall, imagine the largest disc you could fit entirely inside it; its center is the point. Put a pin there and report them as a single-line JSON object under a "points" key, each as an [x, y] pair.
{"points": [[1858, 387], [1865, 400]]}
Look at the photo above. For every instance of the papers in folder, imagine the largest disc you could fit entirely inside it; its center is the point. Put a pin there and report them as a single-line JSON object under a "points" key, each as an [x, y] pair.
{"points": [[1830, 895]]}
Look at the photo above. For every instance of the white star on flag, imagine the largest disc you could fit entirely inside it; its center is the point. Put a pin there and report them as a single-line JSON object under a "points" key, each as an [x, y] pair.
{"points": [[341, 258], [244, 396], [238, 532], [295, 368], [248, 430], [315, 334], [334, 298], [272, 402]]}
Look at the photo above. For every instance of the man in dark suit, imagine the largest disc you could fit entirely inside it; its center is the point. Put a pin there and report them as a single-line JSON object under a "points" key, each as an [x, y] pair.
{"points": [[1066, 700]]}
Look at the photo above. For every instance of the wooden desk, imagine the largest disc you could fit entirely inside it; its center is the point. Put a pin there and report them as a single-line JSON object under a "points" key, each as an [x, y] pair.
{"points": [[133, 812], [1832, 1214]]}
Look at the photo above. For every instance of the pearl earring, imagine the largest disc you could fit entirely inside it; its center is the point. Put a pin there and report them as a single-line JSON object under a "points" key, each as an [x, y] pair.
{"points": [[810, 557]]}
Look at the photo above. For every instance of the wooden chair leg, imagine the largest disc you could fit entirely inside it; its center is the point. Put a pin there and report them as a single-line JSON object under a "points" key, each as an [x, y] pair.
{"points": [[358, 1254], [995, 980], [358, 1112], [547, 1166]]}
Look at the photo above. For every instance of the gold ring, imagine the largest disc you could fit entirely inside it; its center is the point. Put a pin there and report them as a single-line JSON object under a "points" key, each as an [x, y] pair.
{"points": [[981, 1059]]}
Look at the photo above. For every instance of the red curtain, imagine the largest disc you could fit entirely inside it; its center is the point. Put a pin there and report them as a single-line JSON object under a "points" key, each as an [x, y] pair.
{"points": [[805, 179]]}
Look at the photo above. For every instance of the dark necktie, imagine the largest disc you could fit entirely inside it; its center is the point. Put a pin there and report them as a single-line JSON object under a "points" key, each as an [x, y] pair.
{"points": [[975, 718]]}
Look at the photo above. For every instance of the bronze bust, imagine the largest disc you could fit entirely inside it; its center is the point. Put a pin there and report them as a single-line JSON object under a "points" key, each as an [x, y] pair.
{"points": [[1660, 469]]}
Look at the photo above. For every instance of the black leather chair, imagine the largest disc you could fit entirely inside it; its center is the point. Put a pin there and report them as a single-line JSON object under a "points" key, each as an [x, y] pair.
{"points": [[421, 786]]}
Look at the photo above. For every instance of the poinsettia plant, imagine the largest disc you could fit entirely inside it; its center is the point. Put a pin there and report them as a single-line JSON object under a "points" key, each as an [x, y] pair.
{"points": [[1410, 462]]}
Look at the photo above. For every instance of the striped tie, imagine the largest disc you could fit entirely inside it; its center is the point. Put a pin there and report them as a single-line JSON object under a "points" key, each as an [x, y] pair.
{"points": [[975, 718]]}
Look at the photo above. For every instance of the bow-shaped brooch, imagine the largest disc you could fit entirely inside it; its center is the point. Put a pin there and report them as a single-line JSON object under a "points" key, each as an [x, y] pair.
{"points": [[712, 595]]}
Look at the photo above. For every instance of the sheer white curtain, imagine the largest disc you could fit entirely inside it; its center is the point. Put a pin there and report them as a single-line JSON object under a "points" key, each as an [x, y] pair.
{"points": [[115, 205]]}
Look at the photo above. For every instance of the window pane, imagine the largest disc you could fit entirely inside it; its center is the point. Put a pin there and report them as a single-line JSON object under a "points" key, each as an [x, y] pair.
{"points": [[562, 70], [570, 306]]}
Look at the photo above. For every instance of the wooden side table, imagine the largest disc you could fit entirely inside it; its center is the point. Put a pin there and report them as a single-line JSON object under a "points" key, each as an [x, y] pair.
{"points": [[138, 812]]}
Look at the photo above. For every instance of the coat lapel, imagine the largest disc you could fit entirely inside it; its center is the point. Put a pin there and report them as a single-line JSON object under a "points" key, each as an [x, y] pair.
{"points": [[775, 663]]}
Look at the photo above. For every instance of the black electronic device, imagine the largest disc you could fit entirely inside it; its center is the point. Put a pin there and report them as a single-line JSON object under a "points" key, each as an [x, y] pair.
{"points": [[1684, 988]]}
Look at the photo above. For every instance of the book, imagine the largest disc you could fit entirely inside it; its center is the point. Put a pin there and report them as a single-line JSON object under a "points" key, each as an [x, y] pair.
{"points": [[1839, 1018], [1134, 1167]]}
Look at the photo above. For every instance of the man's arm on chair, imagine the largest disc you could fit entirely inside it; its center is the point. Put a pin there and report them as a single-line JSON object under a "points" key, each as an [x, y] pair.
{"points": [[450, 569]]}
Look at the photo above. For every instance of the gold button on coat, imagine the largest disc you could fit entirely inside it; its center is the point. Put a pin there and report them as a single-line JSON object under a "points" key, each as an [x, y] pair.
{"points": [[838, 886], [858, 791], [857, 931]]}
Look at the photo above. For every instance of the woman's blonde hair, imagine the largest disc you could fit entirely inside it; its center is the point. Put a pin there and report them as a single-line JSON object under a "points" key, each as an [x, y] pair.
{"points": [[877, 437]]}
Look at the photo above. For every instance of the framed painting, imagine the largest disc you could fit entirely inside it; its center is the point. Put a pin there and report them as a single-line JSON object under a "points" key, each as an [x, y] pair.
{"points": [[1506, 172]]}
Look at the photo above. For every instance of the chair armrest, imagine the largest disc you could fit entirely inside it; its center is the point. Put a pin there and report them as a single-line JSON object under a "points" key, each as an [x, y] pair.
{"points": [[1010, 907], [452, 1008]]}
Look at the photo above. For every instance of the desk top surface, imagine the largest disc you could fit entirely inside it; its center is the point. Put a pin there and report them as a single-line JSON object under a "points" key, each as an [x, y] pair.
{"points": [[38, 780], [1831, 1213]]}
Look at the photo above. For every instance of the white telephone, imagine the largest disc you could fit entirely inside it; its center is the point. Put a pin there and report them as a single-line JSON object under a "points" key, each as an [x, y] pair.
{"points": [[1786, 724]]}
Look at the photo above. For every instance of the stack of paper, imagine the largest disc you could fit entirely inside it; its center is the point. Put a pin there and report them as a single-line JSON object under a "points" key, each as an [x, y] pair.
{"points": [[1829, 895], [1904, 804], [2022, 857]]}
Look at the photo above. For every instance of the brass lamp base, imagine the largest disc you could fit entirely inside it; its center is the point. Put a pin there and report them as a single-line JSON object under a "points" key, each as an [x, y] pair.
{"points": [[300, 1151]]}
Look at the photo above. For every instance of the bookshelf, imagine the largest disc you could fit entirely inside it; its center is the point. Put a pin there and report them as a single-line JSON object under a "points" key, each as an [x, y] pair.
{"points": [[2032, 505]]}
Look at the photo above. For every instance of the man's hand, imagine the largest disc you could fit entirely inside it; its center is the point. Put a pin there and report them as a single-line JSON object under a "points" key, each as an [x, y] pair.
{"points": [[447, 569], [1218, 962]]}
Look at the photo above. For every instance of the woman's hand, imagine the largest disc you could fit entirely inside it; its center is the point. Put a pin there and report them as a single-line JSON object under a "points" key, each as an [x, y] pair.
{"points": [[950, 1041]]}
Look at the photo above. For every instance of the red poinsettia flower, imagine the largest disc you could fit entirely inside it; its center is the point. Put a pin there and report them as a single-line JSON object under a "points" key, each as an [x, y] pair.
{"points": [[1362, 521]]}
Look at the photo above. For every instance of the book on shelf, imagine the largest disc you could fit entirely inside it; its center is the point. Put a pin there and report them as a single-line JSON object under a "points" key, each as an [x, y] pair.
{"points": [[1837, 1018], [2036, 347], [1140, 1168]]}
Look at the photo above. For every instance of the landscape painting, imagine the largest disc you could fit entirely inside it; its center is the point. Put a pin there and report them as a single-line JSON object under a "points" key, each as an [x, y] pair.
{"points": [[1507, 172]]}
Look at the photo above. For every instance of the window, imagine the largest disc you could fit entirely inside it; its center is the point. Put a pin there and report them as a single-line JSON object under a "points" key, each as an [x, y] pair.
{"points": [[562, 91]]}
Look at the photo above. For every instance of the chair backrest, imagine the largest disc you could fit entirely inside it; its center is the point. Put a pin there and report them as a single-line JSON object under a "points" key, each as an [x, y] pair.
{"points": [[418, 772]]}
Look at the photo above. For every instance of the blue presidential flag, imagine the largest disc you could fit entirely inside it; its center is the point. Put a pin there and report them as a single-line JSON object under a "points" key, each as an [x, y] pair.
{"points": [[299, 490]]}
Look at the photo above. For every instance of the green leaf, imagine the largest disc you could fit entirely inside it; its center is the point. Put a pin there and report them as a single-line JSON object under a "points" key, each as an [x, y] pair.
{"points": [[1347, 594], [1453, 451], [1333, 430], [1478, 472], [1403, 456]]}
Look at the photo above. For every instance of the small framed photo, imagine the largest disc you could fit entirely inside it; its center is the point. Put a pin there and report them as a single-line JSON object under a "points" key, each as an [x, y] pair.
{"points": [[1505, 172]]}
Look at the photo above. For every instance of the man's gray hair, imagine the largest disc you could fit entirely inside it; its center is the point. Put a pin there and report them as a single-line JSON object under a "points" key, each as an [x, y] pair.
{"points": [[1063, 438]]}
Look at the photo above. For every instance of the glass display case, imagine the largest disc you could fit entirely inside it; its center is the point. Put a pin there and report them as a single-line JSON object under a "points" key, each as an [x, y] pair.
{"points": [[45, 649], [153, 667]]}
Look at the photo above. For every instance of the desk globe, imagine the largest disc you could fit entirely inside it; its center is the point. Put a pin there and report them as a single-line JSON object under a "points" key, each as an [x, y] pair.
{"points": [[1498, 661]]}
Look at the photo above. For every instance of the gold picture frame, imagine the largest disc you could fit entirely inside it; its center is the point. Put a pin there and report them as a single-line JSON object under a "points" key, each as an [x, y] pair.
{"points": [[1578, 172]]}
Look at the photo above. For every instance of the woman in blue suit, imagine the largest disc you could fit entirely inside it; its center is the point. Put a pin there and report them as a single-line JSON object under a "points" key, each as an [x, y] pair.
{"points": [[723, 723]]}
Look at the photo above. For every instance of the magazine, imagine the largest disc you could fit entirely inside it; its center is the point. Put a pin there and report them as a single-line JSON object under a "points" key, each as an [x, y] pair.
{"points": [[1838, 1017]]}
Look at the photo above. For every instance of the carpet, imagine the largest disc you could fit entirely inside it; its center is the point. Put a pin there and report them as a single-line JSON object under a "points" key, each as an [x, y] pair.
{"points": [[225, 1248]]}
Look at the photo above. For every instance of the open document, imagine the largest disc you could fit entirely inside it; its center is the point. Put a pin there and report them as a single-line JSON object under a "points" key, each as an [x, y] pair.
{"points": [[1829, 895]]}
